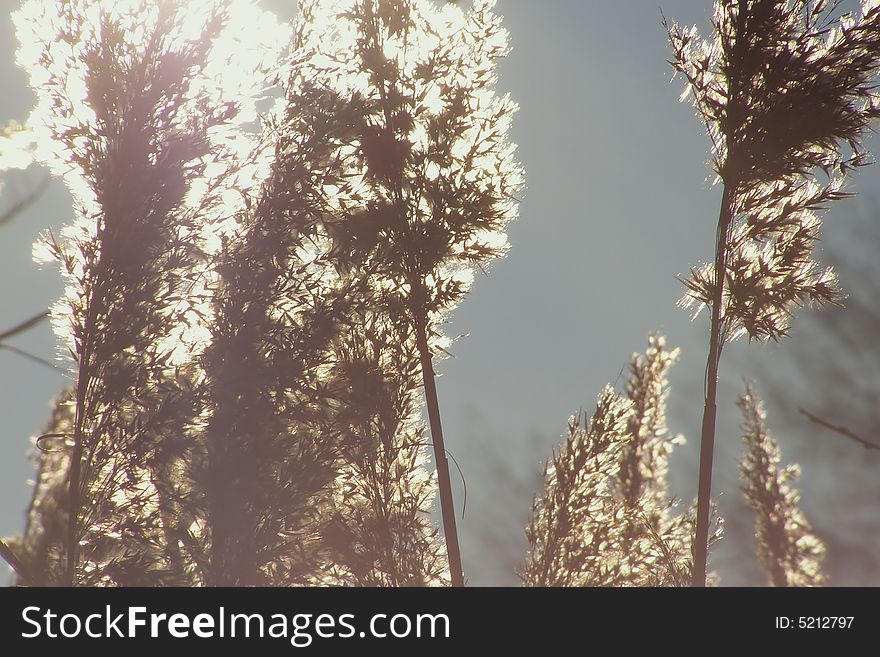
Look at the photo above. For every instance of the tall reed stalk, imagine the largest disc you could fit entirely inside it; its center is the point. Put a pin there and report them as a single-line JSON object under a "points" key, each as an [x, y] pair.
{"points": [[785, 89], [422, 180]]}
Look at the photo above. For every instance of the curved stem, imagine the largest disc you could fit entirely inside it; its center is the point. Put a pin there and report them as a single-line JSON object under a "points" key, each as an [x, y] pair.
{"points": [[15, 563]]}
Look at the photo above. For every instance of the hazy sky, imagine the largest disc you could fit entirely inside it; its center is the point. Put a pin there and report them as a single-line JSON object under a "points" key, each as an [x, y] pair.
{"points": [[618, 203]]}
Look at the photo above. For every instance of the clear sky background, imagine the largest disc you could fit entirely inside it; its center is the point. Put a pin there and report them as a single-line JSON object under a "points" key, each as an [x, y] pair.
{"points": [[619, 202]]}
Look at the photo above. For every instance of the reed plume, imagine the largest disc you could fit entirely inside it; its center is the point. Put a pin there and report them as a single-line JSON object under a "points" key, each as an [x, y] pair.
{"points": [[605, 517], [787, 549]]}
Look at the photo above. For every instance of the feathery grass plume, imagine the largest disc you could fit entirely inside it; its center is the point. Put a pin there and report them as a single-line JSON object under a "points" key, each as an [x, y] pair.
{"points": [[271, 451], [381, 534], [423, 178], [129, 112], [573, 526], [605, 518], [644, 462], [273, 448], [307, 375], [786, 92], [641, 481], [790, 554]]}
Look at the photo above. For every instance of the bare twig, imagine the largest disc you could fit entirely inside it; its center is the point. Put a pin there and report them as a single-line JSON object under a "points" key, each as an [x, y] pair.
{"points": [[843, 431], [21, 328], [24, 326], [31, 357], [10, 213]]}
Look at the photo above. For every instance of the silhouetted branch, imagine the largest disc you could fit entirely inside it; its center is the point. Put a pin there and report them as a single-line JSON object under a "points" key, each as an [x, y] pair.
{"points": [[843, 431], [10, 213], [31, 357], [21, 328], [24, 326]]}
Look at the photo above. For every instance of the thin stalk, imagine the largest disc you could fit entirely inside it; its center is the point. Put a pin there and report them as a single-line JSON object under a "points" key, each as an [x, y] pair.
{"points": [[15, 563], [444, 482], [24, 203], [707, 440], [447, 506], [83, 383], [74, 483]]}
